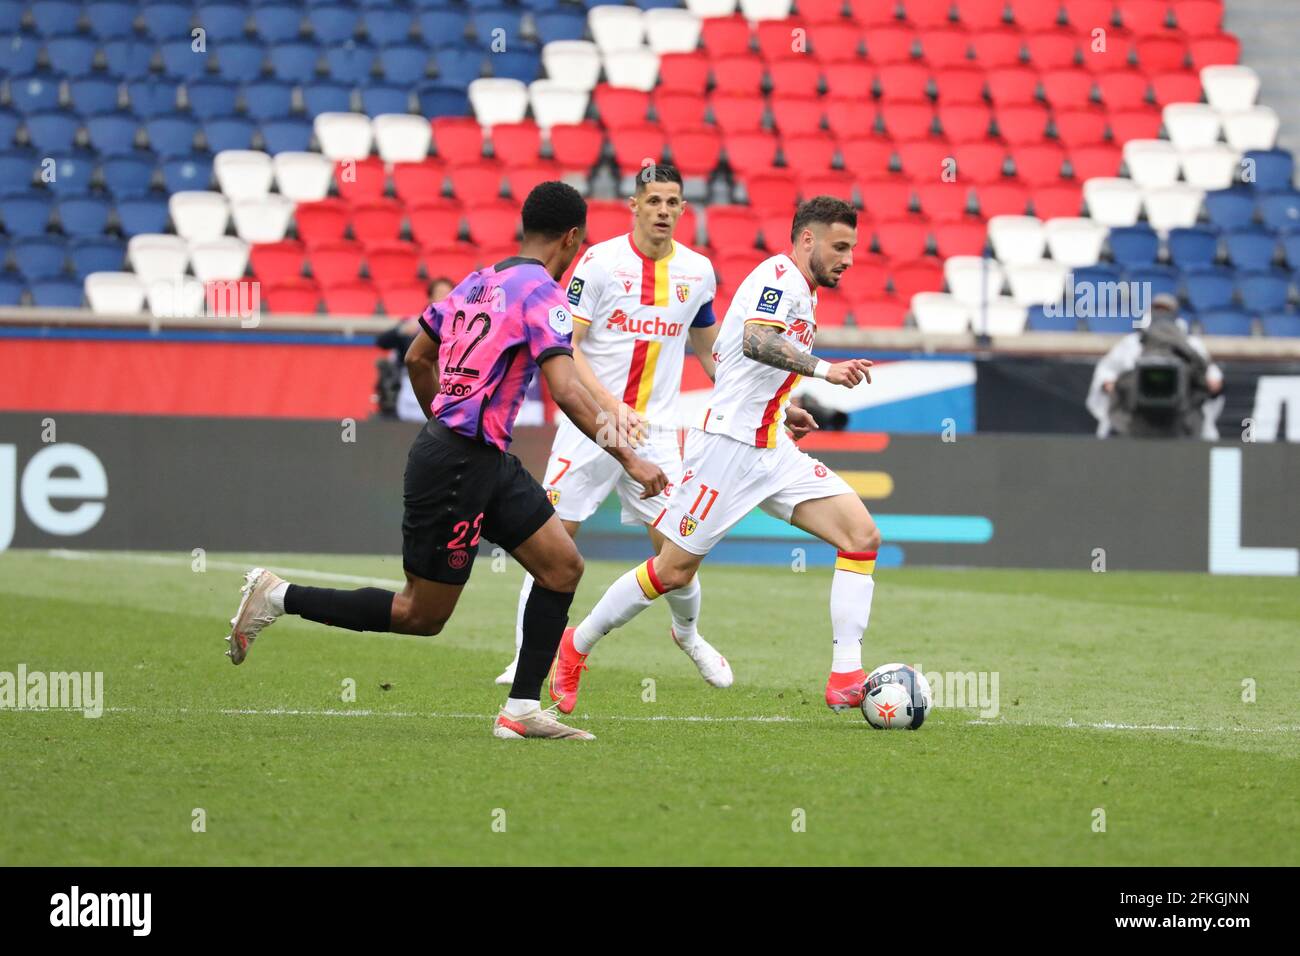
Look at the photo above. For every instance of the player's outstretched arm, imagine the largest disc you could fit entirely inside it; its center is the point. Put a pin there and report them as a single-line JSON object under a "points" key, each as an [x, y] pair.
{"points": [[422, 367], [767, 344], [702, 339], [614, 433]]}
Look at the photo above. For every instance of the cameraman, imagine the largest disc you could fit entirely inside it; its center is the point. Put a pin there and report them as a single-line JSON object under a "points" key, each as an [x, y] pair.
{"points": [[1157, 382]]}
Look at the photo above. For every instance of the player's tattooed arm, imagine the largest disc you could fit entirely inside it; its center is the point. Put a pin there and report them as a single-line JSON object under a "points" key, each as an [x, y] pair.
{"points": [[767, 344]]}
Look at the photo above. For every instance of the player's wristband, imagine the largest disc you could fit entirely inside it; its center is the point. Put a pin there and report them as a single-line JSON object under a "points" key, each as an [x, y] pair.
{"points": [[823, 369]]}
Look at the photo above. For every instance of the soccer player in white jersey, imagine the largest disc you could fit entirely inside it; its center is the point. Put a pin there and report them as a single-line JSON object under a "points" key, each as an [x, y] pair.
{"points": [[636, 300], [740, 457]]}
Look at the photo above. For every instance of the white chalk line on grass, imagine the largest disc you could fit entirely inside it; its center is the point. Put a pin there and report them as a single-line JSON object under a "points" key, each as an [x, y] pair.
{"points": [[169, 561]]}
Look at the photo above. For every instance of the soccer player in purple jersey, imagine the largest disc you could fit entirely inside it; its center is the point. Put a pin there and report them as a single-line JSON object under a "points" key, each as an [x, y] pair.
{"points": [[481, 346]]}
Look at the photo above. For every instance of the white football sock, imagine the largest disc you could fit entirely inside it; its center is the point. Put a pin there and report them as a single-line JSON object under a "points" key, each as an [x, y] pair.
{"points": [[851, 591], [684, 603], [276, 597], [626, 598], [524, 591], [517, 708]]}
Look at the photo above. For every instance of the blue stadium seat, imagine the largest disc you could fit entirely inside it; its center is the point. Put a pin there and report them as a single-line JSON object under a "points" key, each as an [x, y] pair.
{"points": [[42, 257], [229, 132], [57, 294], [83, 216], [52, 17], [561, 24], [443, 25], [96, 255], [113, 134], [172, 135], [26, 215], [72, 172], [379, 99], [280, 23], [1251, 248], [129, 175], [1195, 246], [1230, 208], [1291, 246], [187, 171], [654, 4], [289, 135], [405, 63], [224, 22], [1280, 209], [93, 93], [1264, 291], [153, 96], [111, 19], [1039, 321], [128, 58], [1225, 322], [326, 96], [71, 54], [210, 98], [1209, 287], [17, 167], [241, 61], [487, 20], [521, 62], [268, 100], [11, 14], [1134, 245], [1281, 324], [181, 61], [1110, 324], [11, 289], [9, 123], [1085, 281], [438, 99], [387, 25], [350, 62], [333, 24], [34, 92], [20, 52], [52, 132], [294, 62], [1159, 279], [458, 66], [142, 214], [1274, 168], [167, 21]]}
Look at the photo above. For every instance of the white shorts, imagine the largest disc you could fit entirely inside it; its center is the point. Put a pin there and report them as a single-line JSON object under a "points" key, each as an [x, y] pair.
{"points": [[725, 479], [580, 475]]}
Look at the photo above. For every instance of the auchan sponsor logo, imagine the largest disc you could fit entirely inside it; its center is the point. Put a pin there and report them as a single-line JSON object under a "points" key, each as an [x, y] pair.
{"points": [[620, 321]]}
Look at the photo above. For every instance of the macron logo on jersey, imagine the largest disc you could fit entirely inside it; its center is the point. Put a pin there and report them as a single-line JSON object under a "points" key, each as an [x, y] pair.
{"points": [[780, 270], [768, 300], [620, 321]]}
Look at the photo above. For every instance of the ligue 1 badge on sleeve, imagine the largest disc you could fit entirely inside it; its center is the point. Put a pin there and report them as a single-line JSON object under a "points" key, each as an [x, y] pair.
{"points": [[561, 320]]}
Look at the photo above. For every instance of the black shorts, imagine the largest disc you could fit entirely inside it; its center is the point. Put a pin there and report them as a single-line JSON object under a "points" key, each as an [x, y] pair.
{"points": [[458, 490]]}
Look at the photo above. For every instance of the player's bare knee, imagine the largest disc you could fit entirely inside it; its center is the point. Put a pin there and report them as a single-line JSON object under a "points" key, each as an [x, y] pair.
{"points": [[865, 538], [671, 578], [564, 575]]}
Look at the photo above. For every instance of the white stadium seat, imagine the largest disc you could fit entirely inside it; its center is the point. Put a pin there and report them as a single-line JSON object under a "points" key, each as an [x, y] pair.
{"points": [[263, 220], [157, 256], [1172, 207], [672, 31], [766, 9], [1037, 283], [498, 100], [1212, 167], [1192, 125], [1230, 87], [343, 135], [572, 63], [711, 8], [114, 293], [1002, 316], [1113, 201], [303, 177], [182, 297], [243, 173], [1254, 128], [401, 137], [216, 259], [973, 279], [555, 105], [633, 69], [940, 314], [1151, 162], [1017, 240], [199, 214], [616, 27], [1075, 242]]}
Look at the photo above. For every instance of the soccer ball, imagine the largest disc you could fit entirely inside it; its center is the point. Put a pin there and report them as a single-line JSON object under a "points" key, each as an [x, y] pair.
{"points": [[897, 698]]}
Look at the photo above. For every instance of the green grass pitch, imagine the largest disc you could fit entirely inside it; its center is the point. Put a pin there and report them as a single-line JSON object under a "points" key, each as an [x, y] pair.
{"points": [[1119, 692]]}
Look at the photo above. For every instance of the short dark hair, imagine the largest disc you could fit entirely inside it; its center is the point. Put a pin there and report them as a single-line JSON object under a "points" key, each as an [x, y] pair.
{"points": [[552, 209], [823, 209], [657, 173]]}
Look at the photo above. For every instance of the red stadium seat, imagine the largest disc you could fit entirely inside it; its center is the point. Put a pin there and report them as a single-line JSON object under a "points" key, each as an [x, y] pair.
{"points": [[1051, 202], [517, 144], [1123, 89], [738, 112], [945, 47], [1083, 127], [943, 201], [405, 299], [739, 74], [523, 179], [903, 81], [980, 14], [476, 181], [619, 107], [963, 237], [965, 122], [1183, 86], [1039, 165], [820, 10], [323, 221], [836, 183], [918, 275], [732, 227], [457, 139], [493, 223], [808, 154], [1088, 15], [924, 158], [927, 13], [1090, 162], [832, 307], [725, 36], [607, 218], [1199, 18], [849, 78], [775, 228], [1144, 17], [796, 115], [333, 263], [485, 256], [834, 40], [1115, 57], [1006, 198], [1052, 49], [886, 197], [273, 262], [772, 190], [907, 119], [797, 74], [869, 274], [378, 220], [393, 264], [1012, 86], [361, 179], [867, 155], [872, 13], [964, 85], [453, 261], [777, 39], [1135, 124], [435, 222], [883, 312], [1223, 49], [294, 296], [979, 162], [417, 182], [633, 148], [751, 152], [1022, 125], [903, 238], [733, 267], [1161, 54], [1067, 89], [353, 298], [683, 72], [1035, 14], [680, 111], [695, 152], [890, 44], [997, 48], [687, 225]]}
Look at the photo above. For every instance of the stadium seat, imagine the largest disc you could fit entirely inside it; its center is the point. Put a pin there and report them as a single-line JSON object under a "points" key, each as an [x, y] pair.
{"points": [[963, 237], [25, 215], [200, 216], [362, 180], [576, 146], [55, 132], [379, 98], [555, 105], [682, 73], [1280, 209], [275, 262], [351, 298], [497, 100], [435, 220], [1191, 125], [903, 238], [943, 201], [229, 132], [1075, 242], [1160, 279], [979, 163], [83, 216], [1017, 240], [636, 69], [210, 98], [1210, 167], [1134, 245], [1230, 208], [1022, 125], [1209, 287], [1178, 87], [1250, 129], [220, 259], [560, 24], [402, 138], [918, 275], [335, 263], [1281, 324], [296, 296], [114, 293], [343, 135], [172, 136], [973, 280], [671, 31], [127, 58], [1039, 165], [1225, 321], [376, 221], [41, 257], [243, 173], [394, 264], [100, 254], [1195, 246], [1251, 248], [1274, 168], [262, 220], [1004, 198], [1230, 88], [939, 314], [1113, 202], [114, 134], [1151, 163], [387, 26], [404, 64], [1263, 291], [1172, 207], [72, 172], [1221, 49], [157, 257], [92, 93], [141, 215]]}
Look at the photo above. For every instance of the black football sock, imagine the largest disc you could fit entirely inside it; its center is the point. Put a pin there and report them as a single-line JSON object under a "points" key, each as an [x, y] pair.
{"points": [[545, 617], [366, 609]]}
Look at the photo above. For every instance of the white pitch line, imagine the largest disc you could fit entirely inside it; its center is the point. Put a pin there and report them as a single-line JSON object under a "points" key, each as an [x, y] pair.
{"points": [[221, 566]]}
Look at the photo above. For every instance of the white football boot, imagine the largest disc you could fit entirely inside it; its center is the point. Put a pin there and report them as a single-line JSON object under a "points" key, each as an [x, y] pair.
{"points": [[254, 614], [713, 666], [507, 676], [536, 723]]}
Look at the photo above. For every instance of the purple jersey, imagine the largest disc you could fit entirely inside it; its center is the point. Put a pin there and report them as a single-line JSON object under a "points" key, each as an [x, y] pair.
{"points": [[493, 331]]}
